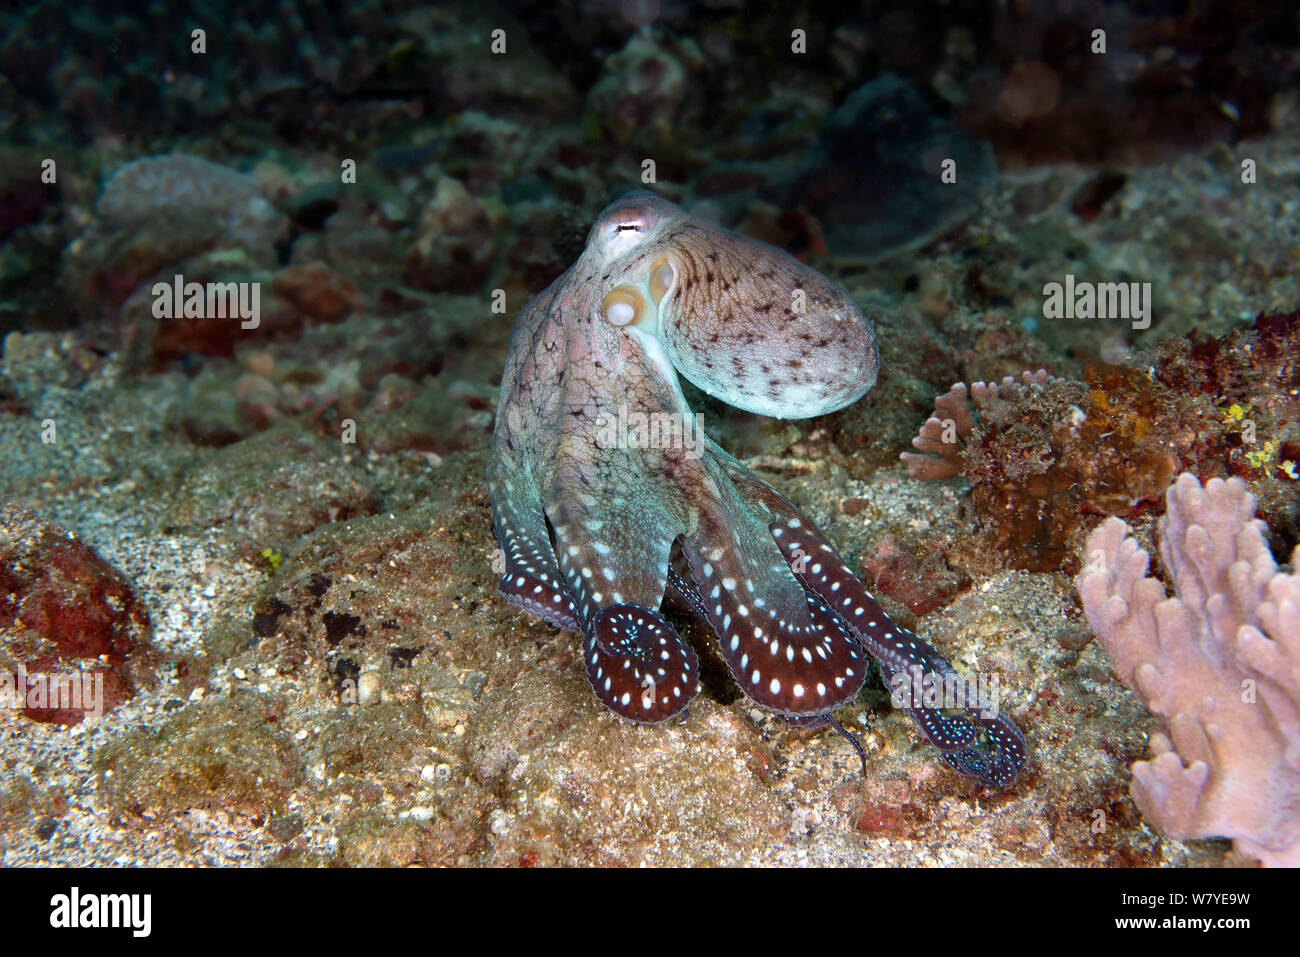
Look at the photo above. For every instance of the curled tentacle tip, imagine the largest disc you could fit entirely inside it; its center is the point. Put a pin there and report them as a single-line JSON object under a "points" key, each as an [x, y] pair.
{"points": [[638, 665]]}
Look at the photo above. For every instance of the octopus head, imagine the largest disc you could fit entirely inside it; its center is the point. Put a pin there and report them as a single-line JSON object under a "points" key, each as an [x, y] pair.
{"points": [[742, 320]]}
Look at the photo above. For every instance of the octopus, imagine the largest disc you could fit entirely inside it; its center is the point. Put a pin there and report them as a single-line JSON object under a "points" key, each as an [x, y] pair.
{"points": [[608, 501]]}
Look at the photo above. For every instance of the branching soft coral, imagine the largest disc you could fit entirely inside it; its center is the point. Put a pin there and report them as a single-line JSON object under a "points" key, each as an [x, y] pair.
{"points": [[1219, 663], [945, 433]]}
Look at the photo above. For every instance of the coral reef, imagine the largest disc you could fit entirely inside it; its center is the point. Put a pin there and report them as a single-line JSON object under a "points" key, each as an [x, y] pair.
{"points": [[1219, 664], [1045, 453], [1035, 472]]}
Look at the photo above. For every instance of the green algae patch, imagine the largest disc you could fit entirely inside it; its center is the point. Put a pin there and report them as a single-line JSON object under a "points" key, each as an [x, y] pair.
{"points": [[228, 754]]}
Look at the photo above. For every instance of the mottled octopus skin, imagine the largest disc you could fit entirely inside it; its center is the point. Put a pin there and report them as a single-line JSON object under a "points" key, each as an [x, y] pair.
{"points": [[594, 535]]}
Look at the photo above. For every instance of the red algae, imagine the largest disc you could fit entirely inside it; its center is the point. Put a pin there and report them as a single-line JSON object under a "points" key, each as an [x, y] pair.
{"points": [[65, 613]]}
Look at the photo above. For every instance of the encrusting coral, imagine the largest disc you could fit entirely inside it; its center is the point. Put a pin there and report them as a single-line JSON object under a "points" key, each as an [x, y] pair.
{"points": [[1219, 664]]}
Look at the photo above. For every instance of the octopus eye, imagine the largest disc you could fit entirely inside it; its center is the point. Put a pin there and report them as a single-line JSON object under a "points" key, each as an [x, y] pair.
{"points": [[623, 306], [627, 223], [662, 277]]}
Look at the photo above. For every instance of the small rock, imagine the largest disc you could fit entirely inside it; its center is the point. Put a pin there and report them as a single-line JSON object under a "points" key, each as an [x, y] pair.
{"points": [[368, 687], [67, 615]]}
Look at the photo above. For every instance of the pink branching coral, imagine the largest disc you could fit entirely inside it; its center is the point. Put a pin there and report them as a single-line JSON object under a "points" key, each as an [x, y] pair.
{"points": [[945, 432], [1219, 664]]}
